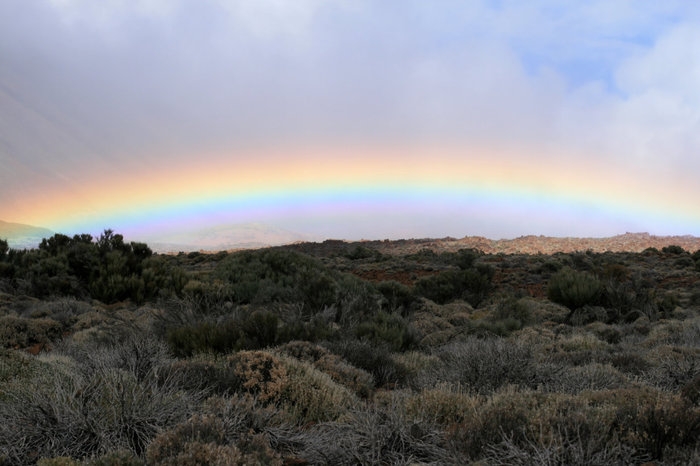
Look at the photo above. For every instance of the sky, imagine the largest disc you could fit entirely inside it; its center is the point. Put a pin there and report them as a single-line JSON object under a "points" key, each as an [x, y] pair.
{"points": [[351, 118]]}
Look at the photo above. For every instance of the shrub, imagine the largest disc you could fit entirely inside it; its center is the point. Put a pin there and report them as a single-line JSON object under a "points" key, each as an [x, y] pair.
{"points": [[482, 365], [472, 285], [389, 329], [57, 461], [397, 297], [18, 332], [83, 416], [116, 458], [260, 373], [357, 380], [274, 275], [378, 435], [445, 405], [201, 440], [375, 360], [673, 249], [204, 337], [574, 289], [309, 395]]}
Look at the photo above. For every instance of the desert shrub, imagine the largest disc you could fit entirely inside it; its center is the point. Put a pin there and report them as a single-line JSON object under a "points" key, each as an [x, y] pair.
{"points": [[580, 342], [201, 373], [17, 366], [389, 329], [202, 429], [656, 426], [674, 368], [201, 440], [260, 373], [18, 332], [574, 289], [444, 405], [691, 391], [397, 297], [357, 380], [482, 365], [310, 395], [115, 458], [513, 308], [587, 314], [629, 362], [376, 360], [204, 337], [136, 353], [58, 461], [243, 414], [81, 416], [472, 285], [268, 276], [673, 249], [488, 425], [593, 376], [559, 450], [377, 435]]}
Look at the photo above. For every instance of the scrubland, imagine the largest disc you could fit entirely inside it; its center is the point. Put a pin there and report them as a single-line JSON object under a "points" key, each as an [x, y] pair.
{"points": [[112, 355]]}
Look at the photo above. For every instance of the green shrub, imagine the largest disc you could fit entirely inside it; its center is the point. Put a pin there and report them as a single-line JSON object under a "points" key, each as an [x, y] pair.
{"points": [[472, 285], [376, 360], [397, 297], [389, 329], [574, 289], [21, 333], [204, 337], [673, 249]]}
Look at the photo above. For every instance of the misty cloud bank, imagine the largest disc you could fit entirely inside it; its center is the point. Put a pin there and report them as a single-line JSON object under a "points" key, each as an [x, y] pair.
{"points": [[118, 86]]}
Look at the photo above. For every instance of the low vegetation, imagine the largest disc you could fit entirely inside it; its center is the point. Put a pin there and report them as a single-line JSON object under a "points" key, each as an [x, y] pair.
{"points": [[338, 353]]}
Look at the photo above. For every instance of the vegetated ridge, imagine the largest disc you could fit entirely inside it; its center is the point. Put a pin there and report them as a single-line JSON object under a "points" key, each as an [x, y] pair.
{"points": [[530, 244], [336, 353]]}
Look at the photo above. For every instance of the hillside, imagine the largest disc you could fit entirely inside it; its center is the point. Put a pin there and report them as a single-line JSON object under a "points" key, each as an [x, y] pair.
{"points": [[629, 242], [343, 354], [21, 236]]}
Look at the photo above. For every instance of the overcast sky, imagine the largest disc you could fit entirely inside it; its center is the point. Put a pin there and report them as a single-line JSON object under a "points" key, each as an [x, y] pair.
{"points": [[116, 86]]}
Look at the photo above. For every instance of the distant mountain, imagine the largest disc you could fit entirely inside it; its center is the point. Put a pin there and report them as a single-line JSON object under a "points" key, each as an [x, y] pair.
{"points": [[224, 237], [21, 236], [629, 242]]}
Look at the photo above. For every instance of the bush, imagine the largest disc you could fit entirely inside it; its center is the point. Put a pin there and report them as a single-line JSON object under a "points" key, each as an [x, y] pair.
{"points": [[389, 329], [472, 285], [397, 297], [574, 289], [375, 360], [79, 416], [202, 441], [357, 380], [274, 275], [673, 249], [378, 435], [116, 458], [18, 332], [309, 395], [260, 373], [482, 365]]}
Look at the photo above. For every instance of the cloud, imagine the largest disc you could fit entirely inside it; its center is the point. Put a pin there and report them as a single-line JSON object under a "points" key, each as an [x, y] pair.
{"points": [[115, 85]]}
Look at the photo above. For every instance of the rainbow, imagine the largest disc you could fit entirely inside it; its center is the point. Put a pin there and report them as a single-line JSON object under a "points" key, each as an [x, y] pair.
{"points": [[330, 185]]}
